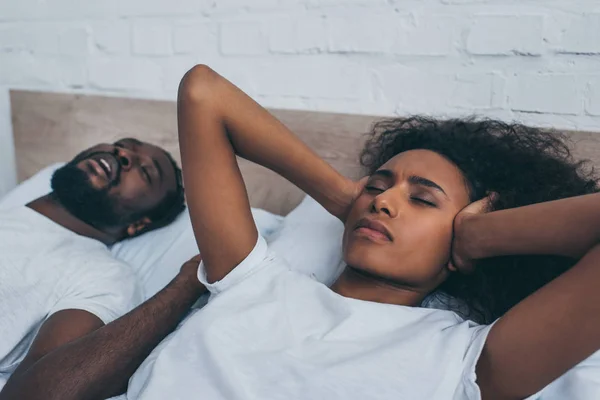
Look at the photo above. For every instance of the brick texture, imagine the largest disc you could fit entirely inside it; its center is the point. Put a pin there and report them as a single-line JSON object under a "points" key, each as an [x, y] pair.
{"points": [[525, 60]]}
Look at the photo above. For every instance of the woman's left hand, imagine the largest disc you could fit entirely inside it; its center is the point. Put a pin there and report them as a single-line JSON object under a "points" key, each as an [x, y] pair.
{"points": [[460, 259]]}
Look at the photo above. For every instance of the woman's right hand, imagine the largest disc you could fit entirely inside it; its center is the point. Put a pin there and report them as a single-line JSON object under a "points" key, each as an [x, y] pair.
{"points": [[216, 123], [350, 193]]}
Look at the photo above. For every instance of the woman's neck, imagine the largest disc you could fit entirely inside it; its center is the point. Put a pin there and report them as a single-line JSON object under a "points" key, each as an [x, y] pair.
{"points": [[362, 286]]}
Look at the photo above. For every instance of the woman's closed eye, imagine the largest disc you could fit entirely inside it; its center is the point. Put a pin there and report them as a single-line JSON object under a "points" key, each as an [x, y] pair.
{"points": [[423, 201], [374, 188]]}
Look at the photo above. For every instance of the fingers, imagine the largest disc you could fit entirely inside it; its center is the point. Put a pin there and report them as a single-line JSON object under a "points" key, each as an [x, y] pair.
{"points": [[482, 206], [491, 198], [360, 185], [363, 181], [196, 259], [486, 204], [189, 272], [465, 268]]}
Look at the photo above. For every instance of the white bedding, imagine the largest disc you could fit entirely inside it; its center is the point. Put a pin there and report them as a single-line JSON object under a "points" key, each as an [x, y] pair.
{"points": [[155, 256], [160, 254]]}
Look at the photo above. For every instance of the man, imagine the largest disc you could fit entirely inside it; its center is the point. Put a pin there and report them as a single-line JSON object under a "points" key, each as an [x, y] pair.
{"points": [[58, 281]]}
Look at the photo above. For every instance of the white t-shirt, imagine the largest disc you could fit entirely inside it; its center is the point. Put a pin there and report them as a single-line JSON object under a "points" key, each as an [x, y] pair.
{"points": [[45, 268], [271, 333]]}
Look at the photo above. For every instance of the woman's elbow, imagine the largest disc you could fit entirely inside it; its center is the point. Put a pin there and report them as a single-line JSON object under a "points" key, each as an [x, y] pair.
{"points": [[198, 84]]}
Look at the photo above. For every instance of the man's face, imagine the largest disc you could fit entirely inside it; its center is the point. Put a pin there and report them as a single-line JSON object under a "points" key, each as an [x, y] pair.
{"points": [[115, 185]]}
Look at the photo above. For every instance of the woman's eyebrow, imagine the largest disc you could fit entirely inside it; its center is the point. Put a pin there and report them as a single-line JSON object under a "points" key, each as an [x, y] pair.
{"points": [[413, 179], [419, 180], [384, 173]]}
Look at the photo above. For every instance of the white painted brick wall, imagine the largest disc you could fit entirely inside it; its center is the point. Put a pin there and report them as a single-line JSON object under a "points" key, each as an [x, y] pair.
{"points": [[528, 60], [593, 101], [126, 74], [152, 38], [362, 34], [74, 42], [195, 37], [546, 93], [112, 37], [426, 35], [490, 35], [242, 38], [298, 35], [583, 35]]}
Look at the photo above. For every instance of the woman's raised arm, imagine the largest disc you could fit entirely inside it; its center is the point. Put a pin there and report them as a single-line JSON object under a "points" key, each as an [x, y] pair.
{"points": [[217, 121], [558, 326]]}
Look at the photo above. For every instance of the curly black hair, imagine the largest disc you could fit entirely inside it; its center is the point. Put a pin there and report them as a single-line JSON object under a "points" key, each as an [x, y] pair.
{"points": [[523, 165]]}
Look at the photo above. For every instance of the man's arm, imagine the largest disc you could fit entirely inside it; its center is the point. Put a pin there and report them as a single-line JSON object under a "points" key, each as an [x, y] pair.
{"points": [[99, 365], [558, 326], [61, 328]]}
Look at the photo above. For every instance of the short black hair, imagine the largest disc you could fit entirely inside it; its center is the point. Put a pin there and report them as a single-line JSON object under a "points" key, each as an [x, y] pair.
{"points": [[524, 165], [172, 205]]}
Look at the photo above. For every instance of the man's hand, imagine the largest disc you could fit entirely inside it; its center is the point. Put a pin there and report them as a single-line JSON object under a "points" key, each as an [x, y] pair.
{"points": [[461, 259], [98, 365], [189, 272]]}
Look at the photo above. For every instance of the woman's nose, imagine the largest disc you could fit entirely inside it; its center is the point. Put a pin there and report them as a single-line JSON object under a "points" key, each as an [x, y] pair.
{"points": [[383, 204]]}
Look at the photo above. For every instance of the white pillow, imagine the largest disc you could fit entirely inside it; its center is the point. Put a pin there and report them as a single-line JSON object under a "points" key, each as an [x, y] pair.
{"points": [[155, 256], [310, 240], [158, 255], [32, 188]]}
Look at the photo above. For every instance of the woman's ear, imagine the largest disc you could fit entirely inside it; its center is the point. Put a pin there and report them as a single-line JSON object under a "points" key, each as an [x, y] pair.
{"points": [[138, 227]]}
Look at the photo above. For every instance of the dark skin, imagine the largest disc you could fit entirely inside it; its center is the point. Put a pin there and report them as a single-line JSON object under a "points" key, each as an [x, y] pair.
{"points": [[414, 197], [145, 175], [540, 339], [98, 365], [534, 343], [84, 369], [556, 327]]}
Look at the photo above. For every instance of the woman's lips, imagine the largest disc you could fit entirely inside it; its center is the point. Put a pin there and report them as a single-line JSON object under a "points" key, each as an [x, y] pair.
{"points": [[371, 233], [373, 229]]}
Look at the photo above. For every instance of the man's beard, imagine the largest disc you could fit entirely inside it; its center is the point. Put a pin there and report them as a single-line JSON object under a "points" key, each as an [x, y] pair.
{"points": [[75, 192]]}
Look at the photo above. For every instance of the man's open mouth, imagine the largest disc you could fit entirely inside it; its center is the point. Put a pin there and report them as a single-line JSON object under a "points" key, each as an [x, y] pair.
{"points": [[106, 164]]}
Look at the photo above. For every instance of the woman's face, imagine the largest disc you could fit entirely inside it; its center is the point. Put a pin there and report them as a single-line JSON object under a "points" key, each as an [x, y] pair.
{"points": [[400, 227]]}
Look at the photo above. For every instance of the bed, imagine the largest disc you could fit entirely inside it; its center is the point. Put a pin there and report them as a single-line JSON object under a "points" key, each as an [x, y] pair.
{"points": [[52, 127]]}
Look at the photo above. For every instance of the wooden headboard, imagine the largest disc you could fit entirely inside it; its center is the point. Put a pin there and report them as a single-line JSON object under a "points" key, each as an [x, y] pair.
{"points": [[51, 127]]}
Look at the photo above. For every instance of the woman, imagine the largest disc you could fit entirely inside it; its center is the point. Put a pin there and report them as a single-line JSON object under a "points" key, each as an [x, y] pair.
{"points": [[411, 227], [524, 165]]}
